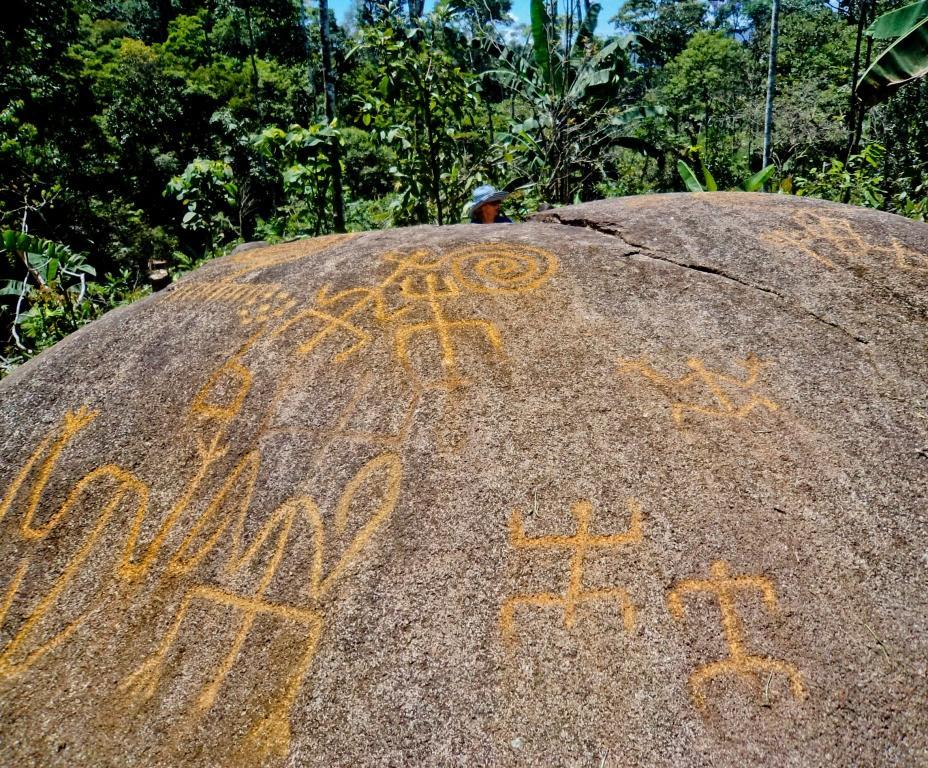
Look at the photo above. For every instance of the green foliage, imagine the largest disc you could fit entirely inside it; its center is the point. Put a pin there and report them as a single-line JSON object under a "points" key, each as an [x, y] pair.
{"points": [[896, 23], [754, 183], [423, 106], [689, 177], [858, 180], [208, 191], [136, 136], [904, 60], [663, 27], [57, 294], [301, 157], [575, 120]]}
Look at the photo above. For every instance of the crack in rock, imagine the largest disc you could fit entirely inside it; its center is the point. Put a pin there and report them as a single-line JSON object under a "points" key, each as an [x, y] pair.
{"points": [[640, 249], [595, 227]]}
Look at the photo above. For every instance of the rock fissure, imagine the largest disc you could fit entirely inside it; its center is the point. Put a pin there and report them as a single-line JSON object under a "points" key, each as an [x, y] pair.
{"points": [[595, 227], [300, 428], [645, 252]]}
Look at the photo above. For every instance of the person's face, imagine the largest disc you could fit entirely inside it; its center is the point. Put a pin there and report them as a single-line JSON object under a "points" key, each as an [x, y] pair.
{"points": [[489, 211]]}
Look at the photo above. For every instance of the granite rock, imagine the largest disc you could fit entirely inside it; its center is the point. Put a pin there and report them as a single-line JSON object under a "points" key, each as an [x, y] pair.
{"points": [[639, 482]]}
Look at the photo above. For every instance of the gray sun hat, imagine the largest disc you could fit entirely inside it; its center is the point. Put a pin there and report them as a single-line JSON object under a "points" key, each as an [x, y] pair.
{"points": [[485, 194]]}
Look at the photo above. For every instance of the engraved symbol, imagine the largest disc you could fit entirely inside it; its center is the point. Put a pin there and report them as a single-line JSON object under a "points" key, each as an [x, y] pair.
{"points": [[74, 422], [277, 535], [844, 240], [739, 661], [715, 383], [578, 544], [257, 302], [412, 302], [497, 268], [442, 328], [272, 256]]}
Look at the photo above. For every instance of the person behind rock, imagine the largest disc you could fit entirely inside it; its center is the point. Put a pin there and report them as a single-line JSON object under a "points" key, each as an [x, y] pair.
{"points": [[485, 204]]}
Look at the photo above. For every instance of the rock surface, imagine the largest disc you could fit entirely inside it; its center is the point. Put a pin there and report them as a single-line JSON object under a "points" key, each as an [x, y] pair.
{"points": [[637, 483]]}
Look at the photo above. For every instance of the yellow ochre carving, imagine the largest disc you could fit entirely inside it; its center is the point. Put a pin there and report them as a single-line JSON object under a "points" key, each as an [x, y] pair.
{"points": [[284, 253], [701, 378], [256, 302], [273, 734], [195, 547], [219, 528], [739, 662], [414, 302], [816, 234], [578, 544]]}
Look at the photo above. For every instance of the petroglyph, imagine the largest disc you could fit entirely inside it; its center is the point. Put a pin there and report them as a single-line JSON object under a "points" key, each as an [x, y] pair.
{"points": [[502, 269], [826, 238], [274, 733], [196, 548], [725, 588], [415, 301], [284, 253], [443, 330], [254, 303], [578, 544], [199, 542], [683, 392], [27, 646]]}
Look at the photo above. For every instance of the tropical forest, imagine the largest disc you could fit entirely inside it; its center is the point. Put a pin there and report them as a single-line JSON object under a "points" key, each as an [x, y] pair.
{"points": [[139, 138]]}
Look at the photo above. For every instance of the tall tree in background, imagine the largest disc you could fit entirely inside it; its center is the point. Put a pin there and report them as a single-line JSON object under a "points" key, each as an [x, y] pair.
{"points": [[771, 79], [328, 81]]}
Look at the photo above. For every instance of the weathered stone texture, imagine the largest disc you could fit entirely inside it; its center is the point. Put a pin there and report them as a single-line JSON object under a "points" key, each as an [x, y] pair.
{"points": [[638, 483]]}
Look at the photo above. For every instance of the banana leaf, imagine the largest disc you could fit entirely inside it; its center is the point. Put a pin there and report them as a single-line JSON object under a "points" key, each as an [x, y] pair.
{"points": [[632, 114], [689, 178], [757, 181], [540, 46], [897, 23], [711, 186], [906, 59]]}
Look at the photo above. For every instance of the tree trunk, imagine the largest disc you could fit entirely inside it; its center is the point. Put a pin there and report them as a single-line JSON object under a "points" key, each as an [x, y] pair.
{"points": [[433, 158], [859, 117], [328, 82], [254, 66], [852, 107], [771, 80], [416, 9]]}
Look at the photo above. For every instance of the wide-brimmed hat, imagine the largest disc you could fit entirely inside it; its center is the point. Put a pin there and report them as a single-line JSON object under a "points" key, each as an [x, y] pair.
{"points": [[485, 194]]}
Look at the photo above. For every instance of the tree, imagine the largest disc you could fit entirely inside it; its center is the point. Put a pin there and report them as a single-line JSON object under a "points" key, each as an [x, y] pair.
{"points": [[771, 79], [705, 94], [328, 80], [574, 104], [662, 27]]}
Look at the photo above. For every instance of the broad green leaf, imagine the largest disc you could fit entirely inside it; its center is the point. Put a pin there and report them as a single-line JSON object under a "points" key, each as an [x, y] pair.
{"points": [[758, 180], [689, 178], [711, 186], [630, 115], [897, 23], [906, 59], [12, 288], [540, 47], [36, 260]]}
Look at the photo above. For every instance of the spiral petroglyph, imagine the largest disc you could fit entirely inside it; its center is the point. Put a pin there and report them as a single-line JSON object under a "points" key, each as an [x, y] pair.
{"points": [[502, 268]]}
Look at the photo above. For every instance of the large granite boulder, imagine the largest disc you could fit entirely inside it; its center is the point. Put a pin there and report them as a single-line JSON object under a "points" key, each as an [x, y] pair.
{"points": [[637, 483]]}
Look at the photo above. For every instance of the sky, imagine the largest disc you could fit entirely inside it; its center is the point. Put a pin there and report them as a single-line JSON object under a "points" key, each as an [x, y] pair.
{"points": [[343, 7]]}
